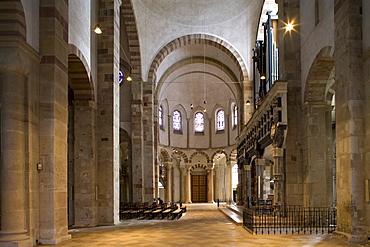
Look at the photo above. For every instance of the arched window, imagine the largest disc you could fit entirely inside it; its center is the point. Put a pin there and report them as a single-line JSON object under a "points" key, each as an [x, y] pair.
{"points": [[199, 122], [235, 120], [220, 120], [176, 119], [160, 117]]}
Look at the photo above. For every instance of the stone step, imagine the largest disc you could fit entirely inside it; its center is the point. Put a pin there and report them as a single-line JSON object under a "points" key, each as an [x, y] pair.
{"points": [[235, 217], [236, 209]]}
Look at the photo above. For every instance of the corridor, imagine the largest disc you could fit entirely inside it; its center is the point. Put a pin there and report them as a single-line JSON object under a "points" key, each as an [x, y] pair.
{"points": [[202, 225]]}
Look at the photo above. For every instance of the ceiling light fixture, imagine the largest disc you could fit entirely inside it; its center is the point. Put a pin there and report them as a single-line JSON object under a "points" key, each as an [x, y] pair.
{"points": [[98, 30]]}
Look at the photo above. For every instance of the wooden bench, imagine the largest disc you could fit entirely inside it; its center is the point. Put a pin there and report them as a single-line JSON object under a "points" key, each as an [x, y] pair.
{"points": [[176, 214], [166, 213]]}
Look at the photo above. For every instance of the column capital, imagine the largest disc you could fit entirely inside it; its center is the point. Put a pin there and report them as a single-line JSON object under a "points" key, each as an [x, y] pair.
{"points": [[210, 166], [260, 162], [17, 56], [277, 152]]}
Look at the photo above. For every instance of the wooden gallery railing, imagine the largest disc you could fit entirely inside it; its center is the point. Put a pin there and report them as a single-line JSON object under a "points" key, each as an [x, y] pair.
{"points": [[290, 220]]}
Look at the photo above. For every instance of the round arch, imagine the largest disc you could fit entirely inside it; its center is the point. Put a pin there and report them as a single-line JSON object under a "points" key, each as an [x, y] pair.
{"points": [[319, 75], [198, 39], [79, 75], [199, 153]]}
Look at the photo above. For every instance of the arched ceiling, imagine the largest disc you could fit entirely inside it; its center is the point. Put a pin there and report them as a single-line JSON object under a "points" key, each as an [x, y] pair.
{"points": [[230, 24]]}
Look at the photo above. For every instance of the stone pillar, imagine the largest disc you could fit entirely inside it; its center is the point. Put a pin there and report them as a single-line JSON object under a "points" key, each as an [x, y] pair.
{"points": [[108, 112], [318, 182], [229, 181], [85, 164], [247, 184], [241, 182], [350, 122], [217, 183], [260, 166], [290, 71], [169, 182], [188, 185], [210, 183], [278, 176], [53, 122], [148, 147], [13, 198]]}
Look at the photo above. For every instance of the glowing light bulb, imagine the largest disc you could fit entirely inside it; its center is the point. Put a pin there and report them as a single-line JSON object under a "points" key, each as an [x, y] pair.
{"points": [[289, 27], [98, 30]]}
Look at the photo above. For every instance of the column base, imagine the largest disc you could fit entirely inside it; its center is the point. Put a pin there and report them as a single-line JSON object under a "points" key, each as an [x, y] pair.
{"points": [[55, 241], [15, 239], [350, 238], [22, 243]]}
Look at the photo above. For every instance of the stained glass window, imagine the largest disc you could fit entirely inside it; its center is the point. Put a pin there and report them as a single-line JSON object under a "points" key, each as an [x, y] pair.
{"points": [[160, 116], [176, 118], [199, 122], [220, 120], [235, 115]]}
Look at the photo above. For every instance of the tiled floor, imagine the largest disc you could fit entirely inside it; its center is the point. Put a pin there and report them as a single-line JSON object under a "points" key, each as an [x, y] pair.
{"points": [[202, 225]]}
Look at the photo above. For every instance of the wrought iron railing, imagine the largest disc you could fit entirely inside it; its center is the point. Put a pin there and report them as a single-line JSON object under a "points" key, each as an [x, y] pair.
{"points": [[290, 220]]}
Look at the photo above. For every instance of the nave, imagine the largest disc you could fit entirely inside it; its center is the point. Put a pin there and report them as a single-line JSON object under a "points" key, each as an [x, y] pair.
{"points": [[201, 225]]}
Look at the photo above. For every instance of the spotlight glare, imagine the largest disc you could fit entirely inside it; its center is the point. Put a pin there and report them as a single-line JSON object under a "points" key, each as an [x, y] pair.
{"points": [[289, 27]]}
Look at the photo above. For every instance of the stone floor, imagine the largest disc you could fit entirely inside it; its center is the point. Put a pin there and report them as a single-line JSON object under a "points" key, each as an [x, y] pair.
{"points": [[202, 225]]}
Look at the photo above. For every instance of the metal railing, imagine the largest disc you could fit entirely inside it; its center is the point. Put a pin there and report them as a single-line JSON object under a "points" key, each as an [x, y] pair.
{"points": [[290, 220]]}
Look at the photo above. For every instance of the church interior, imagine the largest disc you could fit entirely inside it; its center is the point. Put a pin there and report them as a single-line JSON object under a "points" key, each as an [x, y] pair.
{"points": [[254, 103]]}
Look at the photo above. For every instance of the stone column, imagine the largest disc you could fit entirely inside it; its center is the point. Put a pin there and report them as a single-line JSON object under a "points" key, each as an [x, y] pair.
{"points": [[278, 176], [188, 184], [85, 164], [229, 180], [318, 182], [350, 122], [53, 122], [247, 184], [240, 186], [108, 113], [210, 183], [217, 183], [169, 182], [260, 166], [13, 198]]}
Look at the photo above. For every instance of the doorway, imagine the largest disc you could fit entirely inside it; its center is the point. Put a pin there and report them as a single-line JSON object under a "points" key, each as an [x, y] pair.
{"points": [[199, 188]]}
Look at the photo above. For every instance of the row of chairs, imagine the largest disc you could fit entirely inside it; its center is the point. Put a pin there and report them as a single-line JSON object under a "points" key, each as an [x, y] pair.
{"points": [[143, 211]]}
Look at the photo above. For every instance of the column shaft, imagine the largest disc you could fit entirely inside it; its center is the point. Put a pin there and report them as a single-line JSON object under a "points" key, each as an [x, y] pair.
{"points": [[13, 204], [278, 176], [169, 184], [188, 185], [210, 185], [85, 164]]}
